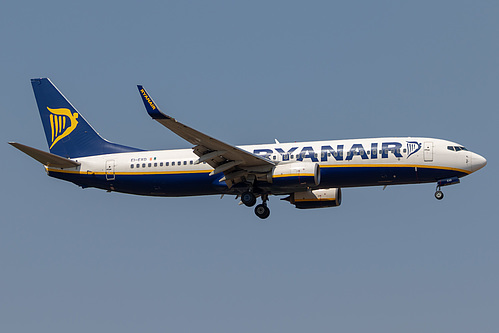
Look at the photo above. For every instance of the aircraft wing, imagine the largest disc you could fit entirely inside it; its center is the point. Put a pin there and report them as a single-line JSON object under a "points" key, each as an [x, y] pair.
{"points": [[234, 162]]}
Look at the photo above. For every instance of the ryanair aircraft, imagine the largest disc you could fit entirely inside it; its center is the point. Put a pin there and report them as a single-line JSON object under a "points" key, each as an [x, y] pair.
{"points": [[308, 174]]}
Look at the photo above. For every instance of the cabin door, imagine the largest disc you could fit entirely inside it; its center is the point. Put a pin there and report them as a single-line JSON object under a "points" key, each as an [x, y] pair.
{"points": [[428, 152], [110, 170]]}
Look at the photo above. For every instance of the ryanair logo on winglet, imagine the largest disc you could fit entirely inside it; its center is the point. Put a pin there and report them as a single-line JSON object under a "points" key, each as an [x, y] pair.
{"points": [[62, 123], [148, 99]]}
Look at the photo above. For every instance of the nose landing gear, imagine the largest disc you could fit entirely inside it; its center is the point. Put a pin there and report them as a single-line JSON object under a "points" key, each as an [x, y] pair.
{"points": [[445, 182], [439, 194]]}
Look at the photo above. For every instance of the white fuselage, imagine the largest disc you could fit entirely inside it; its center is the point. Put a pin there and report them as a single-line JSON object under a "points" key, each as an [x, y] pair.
{"points": [[343, 163]]}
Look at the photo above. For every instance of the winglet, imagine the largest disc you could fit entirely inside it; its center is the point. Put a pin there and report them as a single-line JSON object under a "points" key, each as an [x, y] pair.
{"points": [[151, 107]]}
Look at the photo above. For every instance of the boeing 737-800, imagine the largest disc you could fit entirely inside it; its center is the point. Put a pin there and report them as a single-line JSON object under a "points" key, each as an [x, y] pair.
{"points": [[309, 174]]}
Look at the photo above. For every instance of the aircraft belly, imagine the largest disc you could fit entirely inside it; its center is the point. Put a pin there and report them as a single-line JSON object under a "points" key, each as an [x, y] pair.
{"points": [[168, 185], [372, 176], [191, 184]]}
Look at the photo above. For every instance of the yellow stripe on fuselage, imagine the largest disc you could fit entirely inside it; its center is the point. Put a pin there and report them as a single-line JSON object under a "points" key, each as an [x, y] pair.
{"points": [[314, 200], [128, 173], [294, 175], [275, 176]]}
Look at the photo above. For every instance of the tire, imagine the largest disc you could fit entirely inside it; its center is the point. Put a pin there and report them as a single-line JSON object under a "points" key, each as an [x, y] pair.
{"points": [[248, 199], [262, 211], [439, 195]]}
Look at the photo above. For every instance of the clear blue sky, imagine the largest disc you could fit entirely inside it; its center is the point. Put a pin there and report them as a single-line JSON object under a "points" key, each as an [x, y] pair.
{"points": [[75, 260]]}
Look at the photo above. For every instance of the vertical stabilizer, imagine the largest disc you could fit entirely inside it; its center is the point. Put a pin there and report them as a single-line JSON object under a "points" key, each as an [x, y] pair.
{"points": [[68, 133]]}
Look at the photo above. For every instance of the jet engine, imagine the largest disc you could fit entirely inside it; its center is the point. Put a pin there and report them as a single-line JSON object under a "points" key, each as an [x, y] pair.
{"points": [[296, 175], [330, 197]]}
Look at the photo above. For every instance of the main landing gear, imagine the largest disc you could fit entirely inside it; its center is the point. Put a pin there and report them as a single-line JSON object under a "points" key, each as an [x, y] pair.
{"points": [[261, 210], [248, 198]]}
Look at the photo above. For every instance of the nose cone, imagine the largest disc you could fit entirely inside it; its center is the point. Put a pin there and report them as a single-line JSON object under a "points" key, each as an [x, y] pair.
{"points": [[477, 162]]}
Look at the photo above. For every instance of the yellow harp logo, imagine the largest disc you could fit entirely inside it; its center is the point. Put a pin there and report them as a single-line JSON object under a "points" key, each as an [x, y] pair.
{"points": [[62, 123]]}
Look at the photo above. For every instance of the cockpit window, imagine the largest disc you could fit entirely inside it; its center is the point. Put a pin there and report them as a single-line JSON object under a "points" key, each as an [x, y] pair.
{"points": [[456, 148]]}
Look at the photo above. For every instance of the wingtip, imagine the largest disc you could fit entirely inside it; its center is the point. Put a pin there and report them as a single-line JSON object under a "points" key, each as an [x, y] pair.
{"points": [[151, 107]]}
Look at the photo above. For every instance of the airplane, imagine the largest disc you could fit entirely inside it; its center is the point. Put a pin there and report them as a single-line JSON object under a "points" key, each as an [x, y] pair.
{"points": [[308, 174]]}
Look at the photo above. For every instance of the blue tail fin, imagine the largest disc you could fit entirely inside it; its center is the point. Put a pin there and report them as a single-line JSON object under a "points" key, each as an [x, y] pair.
{"points": [[68, 134]]}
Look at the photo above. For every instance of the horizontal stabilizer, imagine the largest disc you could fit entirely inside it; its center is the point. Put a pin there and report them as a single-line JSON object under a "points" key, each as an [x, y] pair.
{"points": [[45, 158]]}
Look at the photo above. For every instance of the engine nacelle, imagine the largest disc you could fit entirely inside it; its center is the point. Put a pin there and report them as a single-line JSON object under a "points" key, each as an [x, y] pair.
{"points": [[330, 197], [296, 175]]}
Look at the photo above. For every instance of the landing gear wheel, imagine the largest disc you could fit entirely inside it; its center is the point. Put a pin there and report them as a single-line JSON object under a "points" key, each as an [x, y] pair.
{"points": [[439, 195], [262, 211], [248, 199]]}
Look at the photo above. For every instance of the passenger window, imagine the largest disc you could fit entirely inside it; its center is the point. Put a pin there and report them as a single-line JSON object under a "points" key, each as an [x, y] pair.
{"points": [[131, 166], [274, 157], [143, 165], [179, 163], [160, 164], [292, 156], [138, 165], [155, 164], [167, 163], [191, 162], [149, 165], [173, 163], [185, 162]]}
